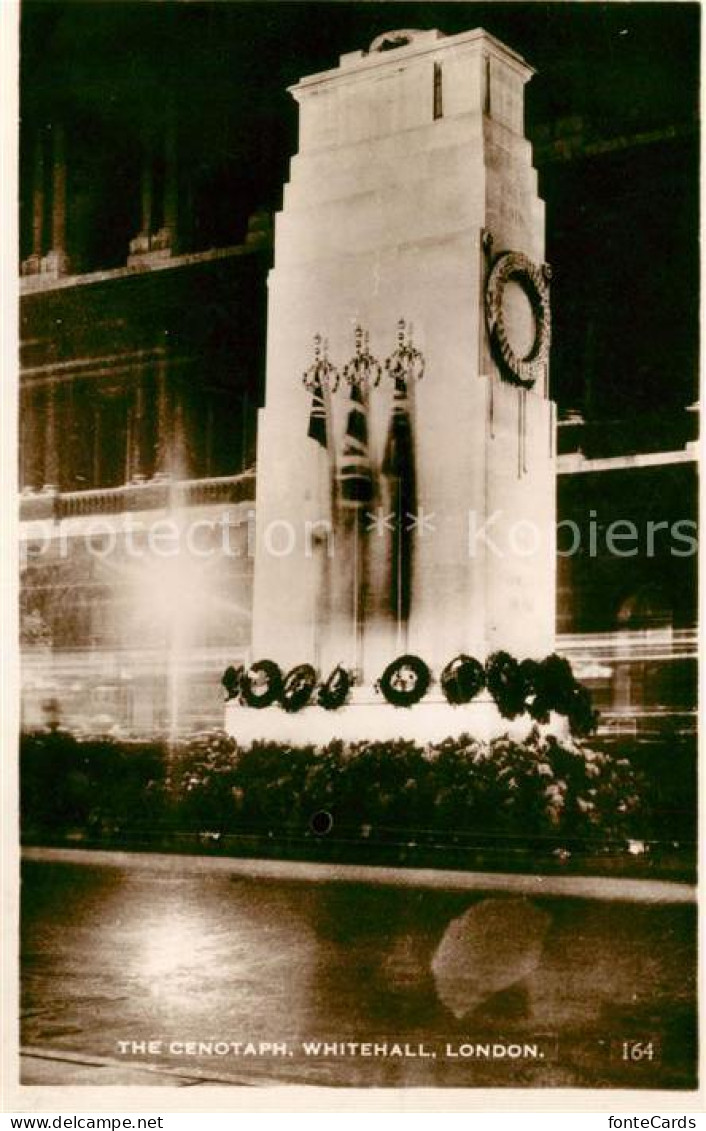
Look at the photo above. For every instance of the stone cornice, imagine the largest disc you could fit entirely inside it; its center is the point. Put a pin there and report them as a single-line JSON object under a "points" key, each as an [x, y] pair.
{"points": [[38, 284], [353, 67]]}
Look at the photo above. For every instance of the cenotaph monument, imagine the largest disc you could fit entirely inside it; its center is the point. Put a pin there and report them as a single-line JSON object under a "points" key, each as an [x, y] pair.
{"points": [[406, 448]]}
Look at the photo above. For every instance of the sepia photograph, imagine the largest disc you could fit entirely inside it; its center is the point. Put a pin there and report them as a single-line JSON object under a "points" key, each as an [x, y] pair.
{"points": [[357, 444]]}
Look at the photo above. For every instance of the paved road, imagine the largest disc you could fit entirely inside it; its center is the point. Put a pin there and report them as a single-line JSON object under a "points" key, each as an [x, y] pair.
{"points": [[236, 978]]}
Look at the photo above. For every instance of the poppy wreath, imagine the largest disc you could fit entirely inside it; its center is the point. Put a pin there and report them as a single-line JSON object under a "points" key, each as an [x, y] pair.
{"points": [[405, 681], [298, 687], [462, 679], [550, 685], [334, 692], [534, 691], [557, 683], [582, 717], [506, 684], [231, 680], [262, 684]]}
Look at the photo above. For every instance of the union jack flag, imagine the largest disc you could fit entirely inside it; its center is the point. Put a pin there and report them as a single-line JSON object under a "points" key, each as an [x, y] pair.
{"points": [[356, 476], [318, 417], [398, 467]]}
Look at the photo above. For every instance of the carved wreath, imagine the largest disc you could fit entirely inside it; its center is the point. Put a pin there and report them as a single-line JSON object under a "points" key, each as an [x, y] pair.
{"points": [[514, 265]]}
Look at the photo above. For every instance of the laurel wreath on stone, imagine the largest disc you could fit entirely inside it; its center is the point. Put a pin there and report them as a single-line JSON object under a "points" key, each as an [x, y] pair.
{"points": [[513, 265]]}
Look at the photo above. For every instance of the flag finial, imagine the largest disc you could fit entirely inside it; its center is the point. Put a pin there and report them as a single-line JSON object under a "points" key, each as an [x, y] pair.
{"points": [[406, 362], [363, 370], [323, 373]]}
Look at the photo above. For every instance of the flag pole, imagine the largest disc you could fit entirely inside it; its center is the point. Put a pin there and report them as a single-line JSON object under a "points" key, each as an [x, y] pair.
{"points": [[401, 644], [404, 365], [319, 586], [356, 584], [321, 379], [356, 478]]}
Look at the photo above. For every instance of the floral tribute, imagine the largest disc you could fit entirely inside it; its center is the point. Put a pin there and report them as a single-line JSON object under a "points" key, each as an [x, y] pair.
{"points": [[536, 687], [541, 794], [538, 787]]}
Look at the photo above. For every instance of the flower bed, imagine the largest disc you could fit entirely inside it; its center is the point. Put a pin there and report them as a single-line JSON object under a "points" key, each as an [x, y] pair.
{"points": [[455, 803], [538, 787]]}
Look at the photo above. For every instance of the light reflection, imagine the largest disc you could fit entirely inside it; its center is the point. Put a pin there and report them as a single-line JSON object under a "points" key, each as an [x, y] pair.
{"points": [[189, 951], [140, 632], [174, 947], [168, 946]]}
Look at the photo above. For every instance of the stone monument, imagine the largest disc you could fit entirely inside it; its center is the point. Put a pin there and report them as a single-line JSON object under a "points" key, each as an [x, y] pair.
{"points": [[406, 448]]}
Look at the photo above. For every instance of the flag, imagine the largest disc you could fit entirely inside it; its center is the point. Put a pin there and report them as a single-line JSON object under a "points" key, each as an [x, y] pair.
{"points": [[398, 467], [322, 520], [318, 417], [356, 477]]}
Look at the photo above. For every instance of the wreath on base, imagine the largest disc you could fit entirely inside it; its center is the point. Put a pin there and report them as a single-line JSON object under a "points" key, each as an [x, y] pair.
{"points": [[405, 681], [505, 683], [462, 679], [535, 690], [231, 680], [334, 692], [536, 687], [298, 687], [261, 686]]}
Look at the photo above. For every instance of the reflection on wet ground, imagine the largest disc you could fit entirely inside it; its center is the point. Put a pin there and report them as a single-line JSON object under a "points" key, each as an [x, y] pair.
{"points": [[603, 994]]}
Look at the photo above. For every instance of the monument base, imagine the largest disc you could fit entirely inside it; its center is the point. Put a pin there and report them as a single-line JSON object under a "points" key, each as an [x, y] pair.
{"points": [[378, 721]]}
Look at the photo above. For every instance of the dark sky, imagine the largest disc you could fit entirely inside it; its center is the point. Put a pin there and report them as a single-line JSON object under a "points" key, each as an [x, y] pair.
{"points": [[111, 64]]}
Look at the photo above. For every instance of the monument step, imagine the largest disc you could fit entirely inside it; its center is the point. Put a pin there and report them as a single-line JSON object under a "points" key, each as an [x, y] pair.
{"points": [[375, 720]]}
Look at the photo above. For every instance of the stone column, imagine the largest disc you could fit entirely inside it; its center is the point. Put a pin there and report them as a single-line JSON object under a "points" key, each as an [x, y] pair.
{"points": [[146, 193], [135, 468], [59, 202], [141, 244], [149, 246], [30, 444], [179, 455], [163, 416], [32, 265], [56, 262], [208, 437], [38, 201], [171, 186], [51, 464], [164, 242], [244, 430]]}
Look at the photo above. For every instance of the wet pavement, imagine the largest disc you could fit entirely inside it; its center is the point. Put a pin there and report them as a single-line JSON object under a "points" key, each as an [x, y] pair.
{"points": [[181, 977]]}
